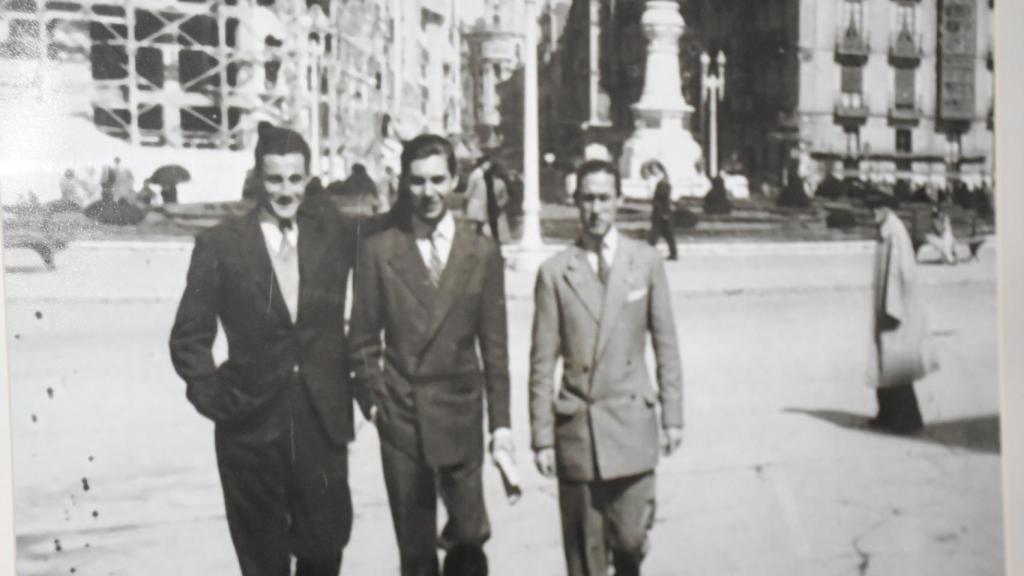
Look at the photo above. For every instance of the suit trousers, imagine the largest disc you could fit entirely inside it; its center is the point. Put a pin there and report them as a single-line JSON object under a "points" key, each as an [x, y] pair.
{"points": [[606, 516], [663, 228], [285, 489], [413, 489]]}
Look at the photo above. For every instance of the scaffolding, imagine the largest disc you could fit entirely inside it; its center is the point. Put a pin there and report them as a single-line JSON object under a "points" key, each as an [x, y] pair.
{"points": [[204, 73]]}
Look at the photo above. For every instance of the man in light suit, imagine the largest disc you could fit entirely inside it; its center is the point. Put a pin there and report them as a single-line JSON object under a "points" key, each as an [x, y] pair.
{"points": [[595, 304], [275, 280], [428, 294]]}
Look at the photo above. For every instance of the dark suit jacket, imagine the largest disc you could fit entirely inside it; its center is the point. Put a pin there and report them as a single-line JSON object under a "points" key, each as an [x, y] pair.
{"points": [[231, 279], [662, 203], [603, 421], [430, 389]]}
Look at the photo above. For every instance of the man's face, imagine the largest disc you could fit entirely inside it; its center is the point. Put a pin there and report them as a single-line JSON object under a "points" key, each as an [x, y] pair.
{"points": [[597, 202], [284, 179], [429, 183]]}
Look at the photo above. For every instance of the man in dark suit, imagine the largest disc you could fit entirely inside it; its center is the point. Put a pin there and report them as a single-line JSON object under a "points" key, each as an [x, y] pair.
{"points": [[428, 293], [600, 433], [275, 279]]}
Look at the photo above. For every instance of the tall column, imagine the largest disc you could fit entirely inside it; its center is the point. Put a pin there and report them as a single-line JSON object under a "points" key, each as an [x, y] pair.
{"points": [[660, 114], [594, 53], [531, 238]]}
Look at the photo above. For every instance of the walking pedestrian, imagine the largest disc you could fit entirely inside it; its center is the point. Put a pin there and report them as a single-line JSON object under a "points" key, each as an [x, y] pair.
{"points": [[901, 328], [600, 433], [662, 213]]}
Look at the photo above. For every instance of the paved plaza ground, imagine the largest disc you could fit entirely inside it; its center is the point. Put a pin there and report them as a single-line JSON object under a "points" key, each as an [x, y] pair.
{"points": [[778, 475]]}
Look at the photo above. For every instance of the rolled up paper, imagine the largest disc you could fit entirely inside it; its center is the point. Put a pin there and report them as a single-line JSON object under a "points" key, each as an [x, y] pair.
{"points": [[509, 475]]}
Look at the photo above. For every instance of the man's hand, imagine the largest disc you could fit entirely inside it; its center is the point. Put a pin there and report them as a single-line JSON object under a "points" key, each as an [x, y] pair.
{"points": [[545, 461], [501, 439], [373, 414], [671, 438]]}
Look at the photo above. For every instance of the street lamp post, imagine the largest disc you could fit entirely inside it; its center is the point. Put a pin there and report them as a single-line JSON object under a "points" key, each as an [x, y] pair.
{"points": [[712, 91], [531, 236]]}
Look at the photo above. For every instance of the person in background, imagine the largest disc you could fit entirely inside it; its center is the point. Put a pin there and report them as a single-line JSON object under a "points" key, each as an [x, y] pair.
{"points": [[900, 326], [71, 196], [476, 195], [662, 213], [940, 239], [497, 201]]}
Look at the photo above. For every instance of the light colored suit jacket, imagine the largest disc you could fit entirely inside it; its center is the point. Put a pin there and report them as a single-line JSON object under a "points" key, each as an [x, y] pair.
{"points": [[603, 421]]}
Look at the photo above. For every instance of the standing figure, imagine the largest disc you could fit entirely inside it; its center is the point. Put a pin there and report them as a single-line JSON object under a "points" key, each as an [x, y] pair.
{"points": [[901, 329], [428, 296], [940, 239], [476, 195], [497, 200], [275, 280], [662, 213], [596, 303]]}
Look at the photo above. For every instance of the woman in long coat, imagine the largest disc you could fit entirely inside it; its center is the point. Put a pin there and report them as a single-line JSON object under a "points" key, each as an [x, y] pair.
{"points": [[901, 328]]}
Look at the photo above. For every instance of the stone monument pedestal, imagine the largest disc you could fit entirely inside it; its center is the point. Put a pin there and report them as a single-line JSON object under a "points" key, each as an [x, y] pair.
{"points": [[660, 114]]}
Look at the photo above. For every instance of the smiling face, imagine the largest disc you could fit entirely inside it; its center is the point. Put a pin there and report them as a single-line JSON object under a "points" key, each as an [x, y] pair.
{"points": [[284, 179], [597, 201], [429, 183]]}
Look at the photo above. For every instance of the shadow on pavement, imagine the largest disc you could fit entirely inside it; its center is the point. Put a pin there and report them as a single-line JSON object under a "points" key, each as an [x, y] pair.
{"points": [[25, 269], [978, 434]]}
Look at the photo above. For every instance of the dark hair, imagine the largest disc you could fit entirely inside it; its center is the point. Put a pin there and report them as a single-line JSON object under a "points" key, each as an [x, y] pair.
{"points": [[358, 168], [278, 141], [420, 147], [425, 146], [593, 167]]}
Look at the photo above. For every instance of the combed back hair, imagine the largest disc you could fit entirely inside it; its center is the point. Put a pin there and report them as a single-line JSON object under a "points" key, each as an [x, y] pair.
{"points": [[420, 147], [279, 142], [593, 167], [425, 146]]}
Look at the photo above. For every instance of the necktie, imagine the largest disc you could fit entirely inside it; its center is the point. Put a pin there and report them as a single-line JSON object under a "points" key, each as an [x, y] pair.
{"points": [[288, 275], [603, 270], [436, 266], [284, 224]]}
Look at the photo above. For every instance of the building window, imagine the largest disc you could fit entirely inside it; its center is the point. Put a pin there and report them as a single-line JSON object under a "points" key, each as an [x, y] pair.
{"points": [[852, 85], [905, 93], [904, 141], [853, 142]]}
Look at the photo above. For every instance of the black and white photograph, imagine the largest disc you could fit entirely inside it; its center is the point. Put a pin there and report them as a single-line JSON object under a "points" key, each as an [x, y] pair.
{"points": [[502, 287]]}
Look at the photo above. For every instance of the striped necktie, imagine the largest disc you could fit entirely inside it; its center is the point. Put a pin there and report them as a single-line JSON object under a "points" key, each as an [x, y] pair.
{"points": [[436, 266], [603, 270]]}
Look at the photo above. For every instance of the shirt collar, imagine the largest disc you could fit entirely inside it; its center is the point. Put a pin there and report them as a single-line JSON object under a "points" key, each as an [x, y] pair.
{"points": [[444, 230], [609, 242]]}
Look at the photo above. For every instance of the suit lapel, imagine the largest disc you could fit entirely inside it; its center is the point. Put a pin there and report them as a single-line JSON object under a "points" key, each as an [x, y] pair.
{"points": [[461, 261], [311, 249], [584, 282], [257, 260], [408, 265], [615, 293]]}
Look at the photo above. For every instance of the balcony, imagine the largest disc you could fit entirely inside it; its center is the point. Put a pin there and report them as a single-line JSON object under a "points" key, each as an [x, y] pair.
{"points": [[905, 49], [851, 109], [904, 113], [853, 45]]}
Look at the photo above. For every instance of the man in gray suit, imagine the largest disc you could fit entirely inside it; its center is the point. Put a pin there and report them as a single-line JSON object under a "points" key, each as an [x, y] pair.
{"points": [[596, 302]]}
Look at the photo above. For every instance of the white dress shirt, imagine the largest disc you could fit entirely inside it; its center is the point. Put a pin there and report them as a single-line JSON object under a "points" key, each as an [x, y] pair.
{"points": [[272, 235], [443, 234], [286, 267], [608, 245]]}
